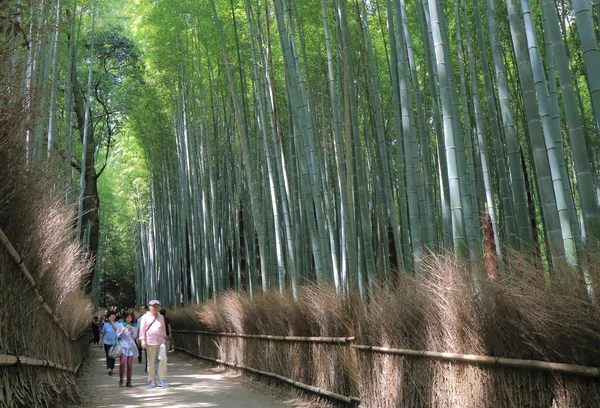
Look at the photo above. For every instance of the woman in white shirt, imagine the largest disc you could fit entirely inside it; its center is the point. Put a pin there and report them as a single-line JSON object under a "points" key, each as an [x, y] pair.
{"points": [[129, 349]]}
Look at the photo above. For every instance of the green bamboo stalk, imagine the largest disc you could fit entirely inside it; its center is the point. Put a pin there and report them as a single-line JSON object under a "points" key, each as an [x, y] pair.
{"points": [[544, 152], [402, 256], [248, 162], [591, 52], [556, 123], [431, 239], [68, 146], [409, 140], [373, 83], [353, 158], [590, 214], [53, 118], [281, 269], [302, 130], [289, 211], [458, 226], [473, 233], [426, 26], [347, 257], [87, 119], [519, 232], [480, 132]]}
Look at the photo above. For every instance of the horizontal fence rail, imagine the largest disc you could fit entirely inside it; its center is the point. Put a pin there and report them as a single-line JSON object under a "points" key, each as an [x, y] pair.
{"points": [[7, 360], [272, 337], [21, 264], [487, 360], [352, 401], [10, 360], [570, 369]]}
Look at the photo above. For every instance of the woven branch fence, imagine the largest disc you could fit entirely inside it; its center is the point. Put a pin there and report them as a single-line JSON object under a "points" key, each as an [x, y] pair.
{"points": [[206, 339], [19, 261], [46, 375]]}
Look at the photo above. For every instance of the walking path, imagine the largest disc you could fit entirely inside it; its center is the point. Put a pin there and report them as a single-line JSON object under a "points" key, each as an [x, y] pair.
{"points": [[192, 384]]}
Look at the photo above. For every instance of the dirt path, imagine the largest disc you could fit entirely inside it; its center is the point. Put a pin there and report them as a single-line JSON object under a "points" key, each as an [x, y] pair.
{"points": [[192, 384]]}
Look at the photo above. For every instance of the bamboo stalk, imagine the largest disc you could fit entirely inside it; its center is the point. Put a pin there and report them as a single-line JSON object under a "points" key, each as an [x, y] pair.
{"points": [[353, 401], [271, 337], [498, 361], [21, 264]]}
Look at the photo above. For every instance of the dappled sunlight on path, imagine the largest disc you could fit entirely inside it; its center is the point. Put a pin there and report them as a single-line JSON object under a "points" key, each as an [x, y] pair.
{"points": [[190, 385]]}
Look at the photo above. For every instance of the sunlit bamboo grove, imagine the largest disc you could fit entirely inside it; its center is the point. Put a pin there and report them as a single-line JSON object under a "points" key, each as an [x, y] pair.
{"points": [[289, 142], [340, 142]]}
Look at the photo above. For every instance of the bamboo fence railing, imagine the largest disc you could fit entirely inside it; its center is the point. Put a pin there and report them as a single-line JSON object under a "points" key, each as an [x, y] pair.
{"points": [[274, 338], [8, 360], [569, 369], [572, 369]]}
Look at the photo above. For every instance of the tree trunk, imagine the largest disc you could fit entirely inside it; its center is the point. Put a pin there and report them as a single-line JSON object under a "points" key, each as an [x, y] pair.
{"points": [[91, 199]]}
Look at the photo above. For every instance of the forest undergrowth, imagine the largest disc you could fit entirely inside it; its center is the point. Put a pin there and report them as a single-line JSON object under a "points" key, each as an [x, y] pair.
{"points": [[525, 313]]}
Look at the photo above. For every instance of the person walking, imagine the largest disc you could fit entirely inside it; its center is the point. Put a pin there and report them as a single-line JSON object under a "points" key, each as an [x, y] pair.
{"points": [[96, 331], [109, 336], [169, 341], [129, 349], [152, 336], [143, 310]]}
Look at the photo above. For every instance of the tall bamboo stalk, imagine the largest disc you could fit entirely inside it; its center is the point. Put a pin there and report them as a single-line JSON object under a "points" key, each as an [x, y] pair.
{"points": [[458, 226]]}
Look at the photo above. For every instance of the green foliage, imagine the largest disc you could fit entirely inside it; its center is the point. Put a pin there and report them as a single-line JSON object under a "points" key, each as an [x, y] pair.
{"points": [[123, 183], [184, 117]]}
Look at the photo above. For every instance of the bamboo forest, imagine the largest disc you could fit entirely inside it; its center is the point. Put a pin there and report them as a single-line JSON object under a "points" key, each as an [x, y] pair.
{"points": [[381, 203]]}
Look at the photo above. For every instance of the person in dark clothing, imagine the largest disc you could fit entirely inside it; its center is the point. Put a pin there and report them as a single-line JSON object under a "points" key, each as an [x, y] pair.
{"points": [[143, 310], [168, 330], [96, 331]]}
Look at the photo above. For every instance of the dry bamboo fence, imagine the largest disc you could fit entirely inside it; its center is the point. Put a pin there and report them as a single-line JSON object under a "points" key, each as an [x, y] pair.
{"points": [[11, 360], [568, 369], [563, 368], [21, 264]]}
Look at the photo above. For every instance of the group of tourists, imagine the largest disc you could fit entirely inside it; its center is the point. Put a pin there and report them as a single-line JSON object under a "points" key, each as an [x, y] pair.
{"points": [[126, 336]]}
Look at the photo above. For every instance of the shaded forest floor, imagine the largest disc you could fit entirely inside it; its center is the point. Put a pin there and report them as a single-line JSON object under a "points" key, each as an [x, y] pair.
{"points": [[193, 383]]}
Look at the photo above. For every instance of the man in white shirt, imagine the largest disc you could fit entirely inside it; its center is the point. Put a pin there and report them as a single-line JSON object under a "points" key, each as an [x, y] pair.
{"points": [[152, 337]]}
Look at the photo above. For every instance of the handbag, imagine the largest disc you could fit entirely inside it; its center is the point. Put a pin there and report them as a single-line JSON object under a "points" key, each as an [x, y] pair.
{"points": [[162, 352], [115, 350]]}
